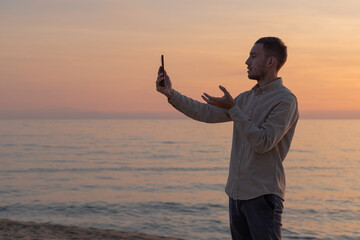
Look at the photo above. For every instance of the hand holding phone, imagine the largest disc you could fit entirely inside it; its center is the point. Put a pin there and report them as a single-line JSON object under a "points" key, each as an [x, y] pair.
{"points": [[162, 86], [162, 83]]}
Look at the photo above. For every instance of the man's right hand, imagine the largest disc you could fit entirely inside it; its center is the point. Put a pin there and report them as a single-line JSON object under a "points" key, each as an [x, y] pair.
{"points": [[167, 89]]}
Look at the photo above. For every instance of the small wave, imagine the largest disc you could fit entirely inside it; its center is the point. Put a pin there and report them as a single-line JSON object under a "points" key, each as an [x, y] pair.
{"points": [[99, 207], [312, 168], [22, 135], [176, 142], [350, 150], [205, 151], [8, 145], [302, 151], [105, 178], [181, 207], [164, 156], [93, 153], [168, 142], [33, 145], [170, 188], [121, 169]]}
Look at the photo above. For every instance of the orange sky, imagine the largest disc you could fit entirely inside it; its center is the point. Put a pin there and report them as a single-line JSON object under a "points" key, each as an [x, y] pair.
{"points": [[103, 56]]}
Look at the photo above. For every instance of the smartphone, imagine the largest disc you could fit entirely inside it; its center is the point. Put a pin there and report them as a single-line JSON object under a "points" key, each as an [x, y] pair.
{"points": [[162, 83]]}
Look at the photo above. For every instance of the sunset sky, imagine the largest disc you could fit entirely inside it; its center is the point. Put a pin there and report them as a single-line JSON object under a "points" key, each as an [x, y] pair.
{"points": [[103, 56]]}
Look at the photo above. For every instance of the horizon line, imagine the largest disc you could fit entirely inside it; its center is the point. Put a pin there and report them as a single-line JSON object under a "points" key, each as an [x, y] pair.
{"points": [[80, 114]]}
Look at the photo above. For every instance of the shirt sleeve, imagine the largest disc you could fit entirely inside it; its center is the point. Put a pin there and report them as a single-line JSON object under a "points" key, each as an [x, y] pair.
{"points": [[198, 111], [268, 134]]}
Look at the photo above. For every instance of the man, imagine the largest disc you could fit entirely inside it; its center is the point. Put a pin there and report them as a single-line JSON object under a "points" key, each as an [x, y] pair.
{"points": [[264, 119]]}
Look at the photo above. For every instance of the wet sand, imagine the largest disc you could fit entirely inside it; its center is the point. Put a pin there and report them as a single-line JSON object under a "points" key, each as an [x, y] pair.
{"points": [[10, 229]]}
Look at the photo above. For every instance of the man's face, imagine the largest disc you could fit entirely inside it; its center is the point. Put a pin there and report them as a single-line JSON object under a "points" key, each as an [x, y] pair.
{"points": [[256, 62]]}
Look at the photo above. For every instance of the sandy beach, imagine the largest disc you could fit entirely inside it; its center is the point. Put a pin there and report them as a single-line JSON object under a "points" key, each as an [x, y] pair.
{"points": [[44, 231]]}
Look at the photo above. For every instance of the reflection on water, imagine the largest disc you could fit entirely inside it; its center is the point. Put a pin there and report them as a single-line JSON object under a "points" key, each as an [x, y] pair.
{"points": [[323, 193], [167, 177]]}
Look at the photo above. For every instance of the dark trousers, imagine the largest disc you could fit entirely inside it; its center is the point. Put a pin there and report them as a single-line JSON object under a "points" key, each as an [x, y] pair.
{"points": [[256, 219]]}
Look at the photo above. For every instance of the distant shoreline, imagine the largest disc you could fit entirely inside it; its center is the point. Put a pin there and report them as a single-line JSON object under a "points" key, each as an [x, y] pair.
{"points": [[80, 114], [2, 118], [10, 229]]}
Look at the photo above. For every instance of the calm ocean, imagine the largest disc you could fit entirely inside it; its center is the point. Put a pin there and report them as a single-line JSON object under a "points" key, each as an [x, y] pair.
{"points": [[167, 177]]}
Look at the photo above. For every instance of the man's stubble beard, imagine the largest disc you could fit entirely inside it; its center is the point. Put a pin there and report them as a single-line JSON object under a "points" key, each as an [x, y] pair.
{"points": [[259, 75]]}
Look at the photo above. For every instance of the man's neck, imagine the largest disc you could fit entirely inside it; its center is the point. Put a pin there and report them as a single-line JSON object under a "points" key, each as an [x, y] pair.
{"points": [[267, 79]]}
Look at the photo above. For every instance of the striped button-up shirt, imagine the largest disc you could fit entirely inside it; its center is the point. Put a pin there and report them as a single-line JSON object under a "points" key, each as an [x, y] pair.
{"points": [[264, 124]]}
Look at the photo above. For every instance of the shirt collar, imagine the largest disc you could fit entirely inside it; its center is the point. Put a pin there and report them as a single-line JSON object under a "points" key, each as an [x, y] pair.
{"points": [[268, 87]]}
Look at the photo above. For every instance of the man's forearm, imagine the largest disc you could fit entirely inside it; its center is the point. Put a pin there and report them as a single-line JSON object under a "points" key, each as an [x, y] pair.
{"points": [[197, 110]]}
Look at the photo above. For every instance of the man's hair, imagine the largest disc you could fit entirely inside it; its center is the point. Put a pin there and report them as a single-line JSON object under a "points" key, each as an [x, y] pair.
{"points": [[273, 46]]}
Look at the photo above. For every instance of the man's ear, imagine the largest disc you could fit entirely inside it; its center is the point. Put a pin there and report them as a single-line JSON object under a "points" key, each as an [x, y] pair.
{"points": [[271, 61]]}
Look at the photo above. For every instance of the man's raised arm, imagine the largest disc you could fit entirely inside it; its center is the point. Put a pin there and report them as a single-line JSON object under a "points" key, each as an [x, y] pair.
{"points": [[190, 107]]}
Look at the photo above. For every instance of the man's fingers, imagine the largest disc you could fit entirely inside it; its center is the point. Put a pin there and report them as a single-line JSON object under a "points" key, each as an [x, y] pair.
{"points": [[161, 73], [210, 100], [209, 97], [206, 100], [159, 79], [224, 90]]}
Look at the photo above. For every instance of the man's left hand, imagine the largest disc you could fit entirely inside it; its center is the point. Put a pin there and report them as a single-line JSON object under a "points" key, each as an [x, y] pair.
{"points": [[225, 101]]}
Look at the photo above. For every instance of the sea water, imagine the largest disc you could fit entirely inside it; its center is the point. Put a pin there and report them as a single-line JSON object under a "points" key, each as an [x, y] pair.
{"points": [[167, 177]]}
